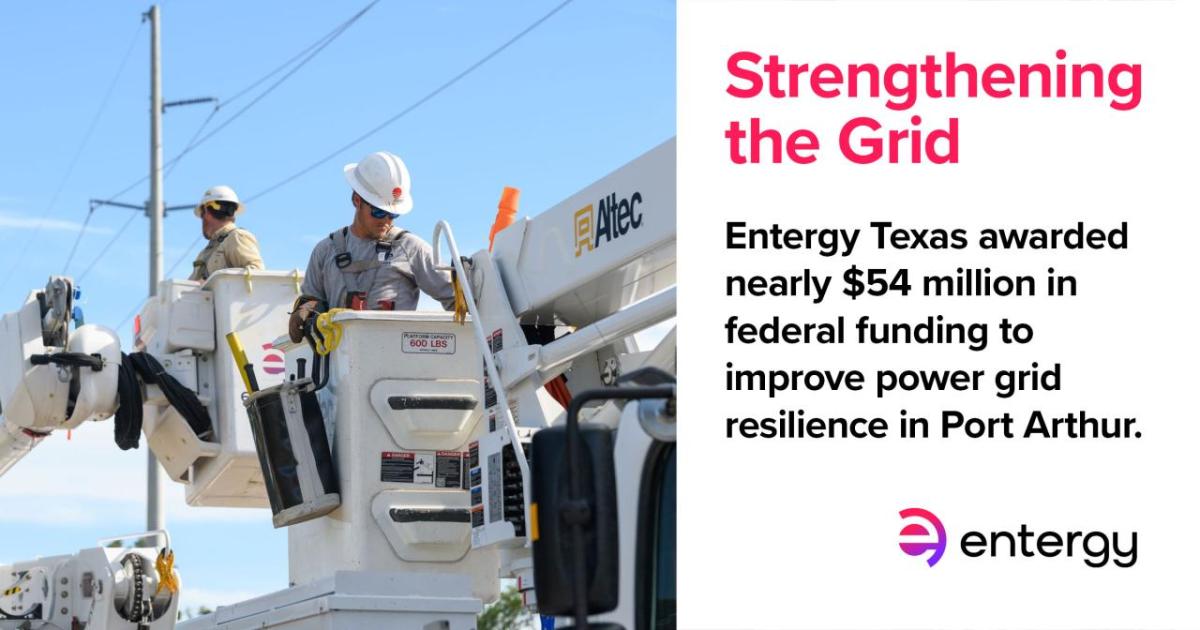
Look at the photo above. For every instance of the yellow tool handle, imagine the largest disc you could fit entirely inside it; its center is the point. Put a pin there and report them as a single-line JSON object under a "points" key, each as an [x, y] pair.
{"points": [[239, 359]]}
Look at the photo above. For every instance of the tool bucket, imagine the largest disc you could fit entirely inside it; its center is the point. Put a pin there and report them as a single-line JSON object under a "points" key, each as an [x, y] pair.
{"points": [[293, 450]]}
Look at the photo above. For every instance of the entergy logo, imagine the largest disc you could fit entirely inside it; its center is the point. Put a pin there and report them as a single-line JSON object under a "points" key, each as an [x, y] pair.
{"points": [[614, 218], [272, 362], [916, 537]]}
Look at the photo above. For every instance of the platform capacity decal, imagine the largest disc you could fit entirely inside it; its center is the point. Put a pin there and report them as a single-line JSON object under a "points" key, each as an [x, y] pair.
{"points": [[427, 343]]}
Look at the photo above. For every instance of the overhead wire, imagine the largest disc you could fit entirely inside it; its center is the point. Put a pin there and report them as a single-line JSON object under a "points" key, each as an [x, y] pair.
{"points": [[114, 239], [92, 207], [419, 102], [324, 41], [87, 136], [184, 255], [304, 56], [79, 236], [234, 116], [187, 147], [168, 273]]}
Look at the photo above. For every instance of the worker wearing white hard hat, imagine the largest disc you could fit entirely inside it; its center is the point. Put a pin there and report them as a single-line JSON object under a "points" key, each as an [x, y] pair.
{"points": [[228, 245], [372, 264]]}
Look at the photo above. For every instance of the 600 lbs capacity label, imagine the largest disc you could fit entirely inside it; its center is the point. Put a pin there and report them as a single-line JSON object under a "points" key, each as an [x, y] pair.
{"points": [[428, 343]]}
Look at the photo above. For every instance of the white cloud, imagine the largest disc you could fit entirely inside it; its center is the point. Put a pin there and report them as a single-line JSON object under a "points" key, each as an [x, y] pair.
{"points": [[178, 511], [87, 466], [87, 479], [23, 222], [77, 510]]}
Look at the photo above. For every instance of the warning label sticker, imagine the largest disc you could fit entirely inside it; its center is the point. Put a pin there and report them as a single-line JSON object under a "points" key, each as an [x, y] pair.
{"points": [[441, 469], [423, 468], [427, 343], [489, 394], [449, 470], [396, 467]]}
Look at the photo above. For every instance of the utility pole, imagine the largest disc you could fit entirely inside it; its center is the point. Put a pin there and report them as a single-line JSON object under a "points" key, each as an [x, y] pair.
{"points": [[155, 512], [155, 210]]}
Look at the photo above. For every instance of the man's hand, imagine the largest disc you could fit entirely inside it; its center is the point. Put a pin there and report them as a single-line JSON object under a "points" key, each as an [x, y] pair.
{"points": [[305, 307]]}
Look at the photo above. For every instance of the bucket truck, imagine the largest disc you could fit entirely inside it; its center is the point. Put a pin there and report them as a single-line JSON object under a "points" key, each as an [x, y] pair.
{"points": [[413, 457]]}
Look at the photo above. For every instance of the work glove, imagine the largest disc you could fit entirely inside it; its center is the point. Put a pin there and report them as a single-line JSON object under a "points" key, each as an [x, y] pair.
{"points": [[305, 308]]}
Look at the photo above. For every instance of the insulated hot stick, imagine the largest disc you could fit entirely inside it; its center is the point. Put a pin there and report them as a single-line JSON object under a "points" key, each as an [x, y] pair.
{"points": [[246, 369]]}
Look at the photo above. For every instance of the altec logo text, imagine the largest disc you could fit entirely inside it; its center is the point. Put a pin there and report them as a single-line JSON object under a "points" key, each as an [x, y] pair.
{"points": [[615, 218], [923, 533]]}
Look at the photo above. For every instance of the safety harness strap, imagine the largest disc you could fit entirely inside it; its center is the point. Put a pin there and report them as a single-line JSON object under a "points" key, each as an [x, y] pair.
{"points": [[202, 262], [351, 269]]}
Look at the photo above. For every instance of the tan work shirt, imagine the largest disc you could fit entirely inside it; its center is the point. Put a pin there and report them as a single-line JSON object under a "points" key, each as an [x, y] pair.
{"points": [[230, 247]]}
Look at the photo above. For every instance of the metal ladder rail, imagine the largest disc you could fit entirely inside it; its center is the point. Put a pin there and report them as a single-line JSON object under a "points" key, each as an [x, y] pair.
{"points": [[488, 361]]}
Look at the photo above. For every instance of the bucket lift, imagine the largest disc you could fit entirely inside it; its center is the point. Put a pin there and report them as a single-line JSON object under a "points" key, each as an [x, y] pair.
{"points": [[428, 421]]}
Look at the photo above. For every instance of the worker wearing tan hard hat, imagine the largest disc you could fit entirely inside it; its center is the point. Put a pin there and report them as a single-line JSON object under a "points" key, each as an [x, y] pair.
{"points": [[228, 245], [371, 264]]}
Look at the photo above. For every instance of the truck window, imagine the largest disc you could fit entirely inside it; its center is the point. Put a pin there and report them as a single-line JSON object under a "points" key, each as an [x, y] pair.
{"points": [[656, 541]]}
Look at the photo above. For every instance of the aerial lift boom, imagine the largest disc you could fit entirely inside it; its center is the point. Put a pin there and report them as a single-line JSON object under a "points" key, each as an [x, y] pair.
{"points": [[398, 450]]}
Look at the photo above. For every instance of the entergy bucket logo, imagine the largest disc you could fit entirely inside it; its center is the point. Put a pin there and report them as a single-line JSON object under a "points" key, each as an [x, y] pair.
{"points": [[273, 362]]}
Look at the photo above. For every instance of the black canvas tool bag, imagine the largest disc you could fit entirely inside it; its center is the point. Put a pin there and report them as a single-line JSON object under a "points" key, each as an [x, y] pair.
{"points": [[293, 450]]}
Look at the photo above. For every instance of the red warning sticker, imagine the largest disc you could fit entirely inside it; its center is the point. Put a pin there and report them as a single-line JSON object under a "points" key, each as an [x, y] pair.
{"points": [[396, 467]]}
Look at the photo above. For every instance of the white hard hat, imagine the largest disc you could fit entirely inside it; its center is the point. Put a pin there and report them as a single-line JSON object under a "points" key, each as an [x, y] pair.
{"points": [[219, 193], [381, 179]]}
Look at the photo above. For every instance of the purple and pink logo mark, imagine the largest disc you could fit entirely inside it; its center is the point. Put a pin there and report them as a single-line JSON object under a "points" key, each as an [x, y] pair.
{"points": [[272, 359], [922, 532]]}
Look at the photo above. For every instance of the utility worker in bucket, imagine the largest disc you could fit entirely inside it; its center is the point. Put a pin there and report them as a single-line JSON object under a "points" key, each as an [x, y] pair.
{"points": [[371, 264], [228, 245]]}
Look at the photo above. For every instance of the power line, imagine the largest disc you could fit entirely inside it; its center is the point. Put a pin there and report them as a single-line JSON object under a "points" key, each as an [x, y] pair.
{"points": [[184, 256], [75, 160], [92, 207], [88, 269], [319, 45], [458, 77], [178, 261], [311, 51], [188, 146], [79, 237], [128, 316], [421, 101], [330, 38]]}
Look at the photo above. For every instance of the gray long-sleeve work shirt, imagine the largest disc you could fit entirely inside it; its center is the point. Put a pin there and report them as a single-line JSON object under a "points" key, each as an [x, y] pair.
{"points": [[406, 269]]}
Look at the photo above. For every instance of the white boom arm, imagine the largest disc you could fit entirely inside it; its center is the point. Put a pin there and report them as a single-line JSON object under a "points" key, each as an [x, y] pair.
{"points": [[51, 379], [99, 588]]}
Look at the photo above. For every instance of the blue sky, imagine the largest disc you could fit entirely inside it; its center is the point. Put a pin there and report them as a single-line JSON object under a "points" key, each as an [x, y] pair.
{"points": [[585, 92]]}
